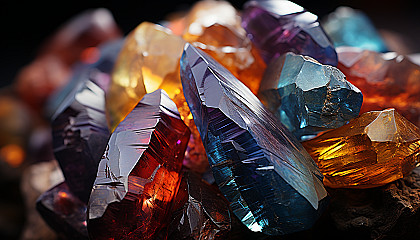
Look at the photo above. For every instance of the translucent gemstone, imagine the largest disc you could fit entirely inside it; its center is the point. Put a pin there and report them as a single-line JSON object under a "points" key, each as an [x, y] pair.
{"points": [[350, 27], [63, 212], [80, 135], [386, 80], [215, 27], [277, 27], [372, 150], [139, 173], [269, 179], [308, 97]]}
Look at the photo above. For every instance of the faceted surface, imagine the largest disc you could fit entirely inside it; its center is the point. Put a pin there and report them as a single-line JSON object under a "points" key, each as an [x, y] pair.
{"points": [[308, 97], [277, 27], [374, 149], [351, 27], [386, 80], [200, 211], [63, 212], [215, 27], [269, 179], [139, 173], [80, 135]]}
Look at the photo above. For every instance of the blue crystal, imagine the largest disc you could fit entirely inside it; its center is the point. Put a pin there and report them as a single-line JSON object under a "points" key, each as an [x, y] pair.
{"points": [[308, 97], [269, 179], [350, 27]]}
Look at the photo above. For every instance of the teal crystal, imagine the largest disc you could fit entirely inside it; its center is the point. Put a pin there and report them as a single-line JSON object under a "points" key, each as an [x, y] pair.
{"points": [[308, 97]]}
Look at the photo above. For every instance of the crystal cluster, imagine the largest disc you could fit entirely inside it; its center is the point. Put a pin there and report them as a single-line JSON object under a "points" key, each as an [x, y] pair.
{"points": [[277, 27], [269, 179], [139, 174], [372, 150], [308, 97]]}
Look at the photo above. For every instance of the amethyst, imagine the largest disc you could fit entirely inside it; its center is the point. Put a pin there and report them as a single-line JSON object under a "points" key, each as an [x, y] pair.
{"points": [[277, 27]]}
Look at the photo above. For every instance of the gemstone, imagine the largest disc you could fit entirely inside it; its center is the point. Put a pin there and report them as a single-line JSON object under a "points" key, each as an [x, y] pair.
{"points": [[351, 27], [277, 27], [215, 27], [308, 97], [386, 80], [269, 179], [201, 212], [139, 173], [80, 134], [372, 150], [63, 212]]}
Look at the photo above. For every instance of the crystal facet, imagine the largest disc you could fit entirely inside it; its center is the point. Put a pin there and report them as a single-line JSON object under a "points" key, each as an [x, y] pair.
{"points": [[372, 150], [139, 173], [308, 97], [269, 179], [277, 27]]}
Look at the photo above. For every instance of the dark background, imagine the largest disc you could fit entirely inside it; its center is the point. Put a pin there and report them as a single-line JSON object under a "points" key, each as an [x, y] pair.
{"points": [[24, 25]]}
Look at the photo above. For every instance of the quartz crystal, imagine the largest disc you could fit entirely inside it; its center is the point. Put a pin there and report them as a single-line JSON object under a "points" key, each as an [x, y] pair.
{"points": [[372, 150], [80, 135], [351, 27], [269, 179], [277, 27], [139, 173], [63, 212], [308, 97], [386, 80], [215, 27]]}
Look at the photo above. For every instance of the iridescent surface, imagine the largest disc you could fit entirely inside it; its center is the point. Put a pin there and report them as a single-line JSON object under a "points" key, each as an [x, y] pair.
{"points": [[139, 173], [63, 212], [80, 134], [277, 27], [351, 27], [372, 150], [308, 97], [269, 179], [386, 80]]}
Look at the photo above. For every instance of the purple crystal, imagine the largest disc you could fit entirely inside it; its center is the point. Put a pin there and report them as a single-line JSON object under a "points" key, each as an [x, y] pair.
{"points": [[277, 27]]}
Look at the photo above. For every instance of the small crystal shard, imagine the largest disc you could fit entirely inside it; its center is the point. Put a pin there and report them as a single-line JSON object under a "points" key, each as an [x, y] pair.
{"points": [[308, 97], [372, 150], [269, 179], [139, 173], [277, 27]]}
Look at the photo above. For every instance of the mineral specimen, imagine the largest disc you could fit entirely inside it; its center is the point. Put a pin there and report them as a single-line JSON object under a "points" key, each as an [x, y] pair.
{"points": [[269, 179], [386, 80], [139, 173], [374, 149], [277, 27], [308, 97], [63, 212], [215, 27], [350, 27]]}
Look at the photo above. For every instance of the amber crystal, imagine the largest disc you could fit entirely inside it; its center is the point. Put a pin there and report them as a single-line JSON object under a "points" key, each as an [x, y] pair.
{"points": [[215, 27], [374, 149]]}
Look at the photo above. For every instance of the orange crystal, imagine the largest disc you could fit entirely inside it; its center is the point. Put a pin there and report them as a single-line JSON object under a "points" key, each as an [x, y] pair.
{"points": [[372, 150]]}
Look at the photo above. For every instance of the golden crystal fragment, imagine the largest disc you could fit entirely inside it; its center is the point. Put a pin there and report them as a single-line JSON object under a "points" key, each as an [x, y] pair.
{"points": [[372, 150]]}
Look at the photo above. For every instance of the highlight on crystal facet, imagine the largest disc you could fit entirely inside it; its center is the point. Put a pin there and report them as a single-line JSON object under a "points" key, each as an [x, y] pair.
{"points": [[372, 150], [271, 182]]}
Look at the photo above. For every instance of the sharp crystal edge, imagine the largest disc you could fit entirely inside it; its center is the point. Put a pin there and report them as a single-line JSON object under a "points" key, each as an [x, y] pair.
{"points": [[269, 179]]}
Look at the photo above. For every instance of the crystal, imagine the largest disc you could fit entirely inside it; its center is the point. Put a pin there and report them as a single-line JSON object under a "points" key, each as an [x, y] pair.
{"points": [[308, 97], [386, 80], [351, 27], [200, 211], [80, 134], [215, 27], [372, 150], [63, 212], [139, 173], [277, 27], [269, 179]]}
